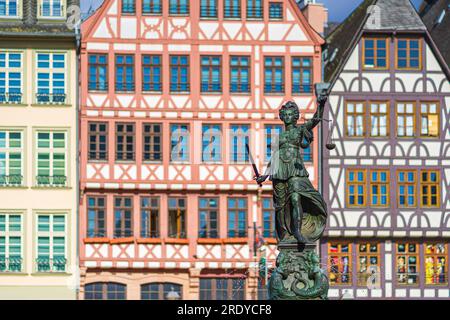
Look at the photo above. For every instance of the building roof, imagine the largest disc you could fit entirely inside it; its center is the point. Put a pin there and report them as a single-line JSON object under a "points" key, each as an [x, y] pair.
{"points": [[371, 15], [436, 16], [29, 26]]}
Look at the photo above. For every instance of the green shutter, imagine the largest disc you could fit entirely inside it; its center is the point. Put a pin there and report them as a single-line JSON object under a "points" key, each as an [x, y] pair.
{"points": [[43, 140], [15, 140], [59, 223], [44, 223]]}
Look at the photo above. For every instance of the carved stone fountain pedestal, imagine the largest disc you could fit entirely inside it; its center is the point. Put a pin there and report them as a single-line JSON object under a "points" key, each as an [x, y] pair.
{"points": [[298, 275]]}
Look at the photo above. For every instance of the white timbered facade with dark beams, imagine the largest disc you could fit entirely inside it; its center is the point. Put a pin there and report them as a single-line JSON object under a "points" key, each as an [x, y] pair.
{"points": [[387, 182]]}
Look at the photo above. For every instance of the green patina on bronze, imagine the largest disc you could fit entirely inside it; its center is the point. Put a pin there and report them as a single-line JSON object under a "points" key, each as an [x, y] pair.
{"points": [[300, 211]]}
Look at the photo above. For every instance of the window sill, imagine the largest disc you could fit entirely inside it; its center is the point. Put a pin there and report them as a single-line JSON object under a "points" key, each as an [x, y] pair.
{"points": [[180, 92], [119, 161], [152, 162], [271, 240], [240, 94], [98, 161], [98, 91], [51, 105], [12, 105], [149, 240], [211, 93], [13, 187], [96, 240], [51, 188], [9, 273], [152, 92], [235, 240], [122, 240], [52, 274], [209, 241], [176, 241], [274, 94]]}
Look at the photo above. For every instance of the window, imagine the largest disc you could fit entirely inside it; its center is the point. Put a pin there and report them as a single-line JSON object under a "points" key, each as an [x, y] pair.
{"points": [[276, 10], [208, 218], [150, 217], [407, 264], [237, 217], [307, 154], [51, 159], [354, 118], [96, 217], [51, 8], [123, 212], [268, 218], [152, 6], [340, 257], [379, 122], [9, 8], [272, 132], [436, 264], [152, 73], [161, 291], [302, 77], [11, 150], [356, 188], [208, 8], [405, 119], [125, 133], [211, 74], [409, 54], [379, 188], [51, 83], [11, 252], [51, 243], [98, 140], [240, 137], [177, 218], [368, 262], [406, 188], [255, 9], [152, 142], [240, 74], [179, 7], [179, 74], [429, 119], [129, 6], [105, 291], [179, 142], [211, 143], [375, 53], [10, 77], [429, 186], [124, 73], [274, 75], [232, 9], [222, 288], [98, 72]]}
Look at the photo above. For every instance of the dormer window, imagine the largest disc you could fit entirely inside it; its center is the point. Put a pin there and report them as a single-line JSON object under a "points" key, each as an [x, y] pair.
{"points": [[51, 9], [9, 8]]}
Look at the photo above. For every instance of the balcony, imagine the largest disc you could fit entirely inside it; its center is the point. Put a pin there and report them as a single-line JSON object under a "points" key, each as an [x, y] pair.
{"points": [[46, 264], [51, 98], [12, 98], [51, 181], [11, 264], [11, 180]]}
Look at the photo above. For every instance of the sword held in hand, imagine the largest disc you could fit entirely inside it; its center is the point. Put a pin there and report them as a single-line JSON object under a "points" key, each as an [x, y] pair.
{"points": [[252, 161]]}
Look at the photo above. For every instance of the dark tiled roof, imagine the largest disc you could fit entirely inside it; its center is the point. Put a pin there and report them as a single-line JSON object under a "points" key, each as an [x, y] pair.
{"points": [[29, 25], [398, 15], [430, 12]]}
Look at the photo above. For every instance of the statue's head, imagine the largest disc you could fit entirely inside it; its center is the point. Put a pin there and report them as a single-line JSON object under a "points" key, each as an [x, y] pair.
{"points": [[289, 113]]}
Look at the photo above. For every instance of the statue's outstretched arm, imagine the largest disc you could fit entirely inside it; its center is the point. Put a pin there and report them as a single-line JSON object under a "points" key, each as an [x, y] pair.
{"points": [[312, 123]]}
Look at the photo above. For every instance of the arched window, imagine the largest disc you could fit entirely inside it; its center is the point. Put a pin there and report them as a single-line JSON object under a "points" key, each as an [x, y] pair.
{"points": [[161, 291], [105, 291]]}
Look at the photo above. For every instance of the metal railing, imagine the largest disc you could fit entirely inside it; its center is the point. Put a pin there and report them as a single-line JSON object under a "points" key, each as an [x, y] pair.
{"points": [[11, 180], [59, 181], [11, 264], [180, 87], [240, 87], [211, 87], [150, 234], [15, 98], [203, 234], [100, 155], [302, 88], [47, 264], [98, 86], [96, 233], [51, 98]]}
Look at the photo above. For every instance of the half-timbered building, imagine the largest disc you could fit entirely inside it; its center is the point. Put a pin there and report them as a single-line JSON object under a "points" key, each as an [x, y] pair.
{"points": [[171, 93], [387, 181]]}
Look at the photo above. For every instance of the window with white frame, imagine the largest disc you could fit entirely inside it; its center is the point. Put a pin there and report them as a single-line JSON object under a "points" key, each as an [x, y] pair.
{"points": [[11, 254], [10, 77], [51, 79], [9, 8], [51, 8], [51, 158], [11, 162], [51, 243]]}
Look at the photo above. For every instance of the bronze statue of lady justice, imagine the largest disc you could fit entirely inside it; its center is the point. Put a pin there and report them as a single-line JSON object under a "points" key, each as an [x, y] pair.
{"points": [[300, 210]]}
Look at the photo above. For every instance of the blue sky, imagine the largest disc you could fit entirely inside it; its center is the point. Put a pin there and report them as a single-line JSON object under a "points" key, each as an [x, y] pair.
{"points": [[338, 9]]}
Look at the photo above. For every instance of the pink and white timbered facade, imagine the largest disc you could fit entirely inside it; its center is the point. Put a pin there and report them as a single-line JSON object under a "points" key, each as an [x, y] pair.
{"points": [[171, 91]]}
